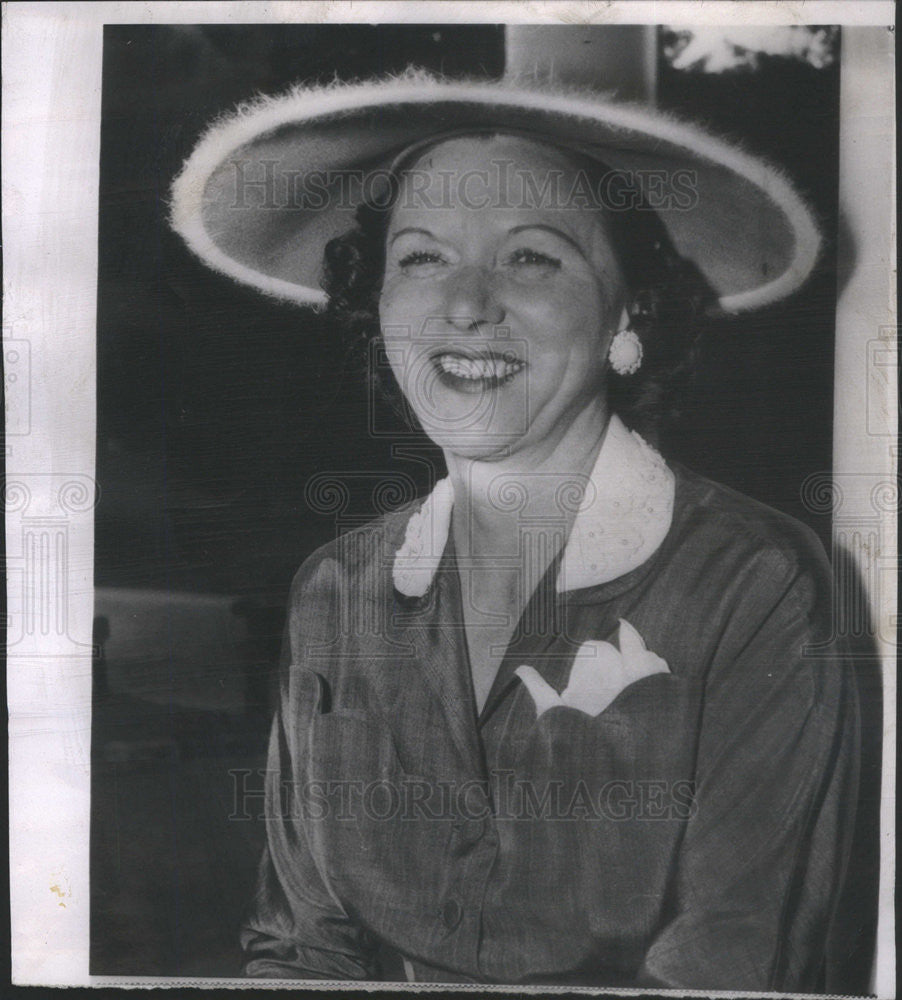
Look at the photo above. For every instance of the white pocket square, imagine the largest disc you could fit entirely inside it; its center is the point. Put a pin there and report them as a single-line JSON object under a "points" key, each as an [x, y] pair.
{"points": [[599, 673]]}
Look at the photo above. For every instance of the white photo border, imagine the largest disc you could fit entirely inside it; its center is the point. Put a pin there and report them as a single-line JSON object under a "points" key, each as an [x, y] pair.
{"points": [[52, 57]]}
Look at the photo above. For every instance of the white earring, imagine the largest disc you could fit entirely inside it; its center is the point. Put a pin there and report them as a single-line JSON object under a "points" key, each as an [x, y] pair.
{"points": [[625, 353]]}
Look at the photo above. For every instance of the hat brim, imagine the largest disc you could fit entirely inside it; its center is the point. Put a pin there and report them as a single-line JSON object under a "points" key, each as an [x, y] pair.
{"points": [[236, 202]]}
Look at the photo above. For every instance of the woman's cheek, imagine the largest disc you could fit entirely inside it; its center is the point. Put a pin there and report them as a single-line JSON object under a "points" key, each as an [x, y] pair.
{"points": [[562, 289], [562, 311], [407, 304]]}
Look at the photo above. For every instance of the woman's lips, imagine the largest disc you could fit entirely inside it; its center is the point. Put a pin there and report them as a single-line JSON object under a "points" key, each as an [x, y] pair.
{"points": [[476, 372]]}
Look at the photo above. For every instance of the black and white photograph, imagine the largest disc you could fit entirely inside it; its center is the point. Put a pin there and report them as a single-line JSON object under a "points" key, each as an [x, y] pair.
{"points": [[476, 567]]}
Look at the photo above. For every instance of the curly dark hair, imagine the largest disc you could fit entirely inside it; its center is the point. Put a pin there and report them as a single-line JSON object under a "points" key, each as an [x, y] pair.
{"points": [[668, 295]]}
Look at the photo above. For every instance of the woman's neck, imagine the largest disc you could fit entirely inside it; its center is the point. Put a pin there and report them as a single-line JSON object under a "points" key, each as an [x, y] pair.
{"points": [[495, 499]]}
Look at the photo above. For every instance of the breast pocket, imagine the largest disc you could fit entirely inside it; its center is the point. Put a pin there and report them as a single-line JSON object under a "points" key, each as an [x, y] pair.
{"points": [[347, 743], [647, 733]]}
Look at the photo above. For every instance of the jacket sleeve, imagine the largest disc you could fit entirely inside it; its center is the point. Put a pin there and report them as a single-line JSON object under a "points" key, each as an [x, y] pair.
{"points": [[764, 854], [296, 928]]}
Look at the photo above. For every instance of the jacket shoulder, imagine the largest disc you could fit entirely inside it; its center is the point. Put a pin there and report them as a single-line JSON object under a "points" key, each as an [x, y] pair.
{"points": [[358, 555], [769, 552], [772, 580], [726, 513]]}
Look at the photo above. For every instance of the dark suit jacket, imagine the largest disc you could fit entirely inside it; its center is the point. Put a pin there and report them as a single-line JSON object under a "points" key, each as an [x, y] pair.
{"points": [[694, 834]]}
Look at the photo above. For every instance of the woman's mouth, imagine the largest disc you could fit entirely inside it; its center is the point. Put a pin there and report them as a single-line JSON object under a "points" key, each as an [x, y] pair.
{"points": [[475, 373]]}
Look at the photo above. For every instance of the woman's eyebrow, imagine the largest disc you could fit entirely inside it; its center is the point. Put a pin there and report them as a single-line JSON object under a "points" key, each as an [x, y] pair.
{"points": [[413, 229]]}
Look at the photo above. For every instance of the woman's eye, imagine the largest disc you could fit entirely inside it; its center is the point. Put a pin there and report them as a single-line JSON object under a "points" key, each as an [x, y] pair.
{"points": [[420, 258], [524, 257]]}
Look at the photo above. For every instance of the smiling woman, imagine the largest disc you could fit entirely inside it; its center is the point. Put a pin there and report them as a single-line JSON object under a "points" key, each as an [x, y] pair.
{"points": [[566, 218], [556, 722], [456, 277], [497, 311]]}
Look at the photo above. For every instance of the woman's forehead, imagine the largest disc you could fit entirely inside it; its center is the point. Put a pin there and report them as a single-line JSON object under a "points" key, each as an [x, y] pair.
{"points": [[515, 179], [468, 152]]}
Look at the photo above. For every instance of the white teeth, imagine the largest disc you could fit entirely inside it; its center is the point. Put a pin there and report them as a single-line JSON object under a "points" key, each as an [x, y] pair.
{"points": [[478, 368]]}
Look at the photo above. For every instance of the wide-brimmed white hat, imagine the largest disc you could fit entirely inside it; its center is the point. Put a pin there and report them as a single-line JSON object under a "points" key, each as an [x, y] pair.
{"points": [[270, 184]]}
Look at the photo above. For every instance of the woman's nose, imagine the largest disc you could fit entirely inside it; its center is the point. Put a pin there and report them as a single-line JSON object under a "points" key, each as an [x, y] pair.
{"points": [[471, 301]]}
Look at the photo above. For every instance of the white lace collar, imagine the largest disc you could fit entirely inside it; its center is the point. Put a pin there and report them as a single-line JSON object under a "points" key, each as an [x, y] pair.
{"points": [[623, 518]]}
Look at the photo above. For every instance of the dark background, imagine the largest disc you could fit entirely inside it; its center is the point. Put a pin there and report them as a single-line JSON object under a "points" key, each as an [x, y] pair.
{"points": [[216, 407]]}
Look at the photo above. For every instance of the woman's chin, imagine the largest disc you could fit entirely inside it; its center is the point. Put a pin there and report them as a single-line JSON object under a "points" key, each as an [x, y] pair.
{"points": [[474, 443]]}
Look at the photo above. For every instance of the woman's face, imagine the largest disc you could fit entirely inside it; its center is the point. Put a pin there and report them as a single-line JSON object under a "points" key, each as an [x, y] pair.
{"points": [[499, 302]]}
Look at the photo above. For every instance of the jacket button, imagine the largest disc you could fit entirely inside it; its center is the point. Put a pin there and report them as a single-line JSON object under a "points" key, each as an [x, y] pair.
{"points": [[451, 914]]}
